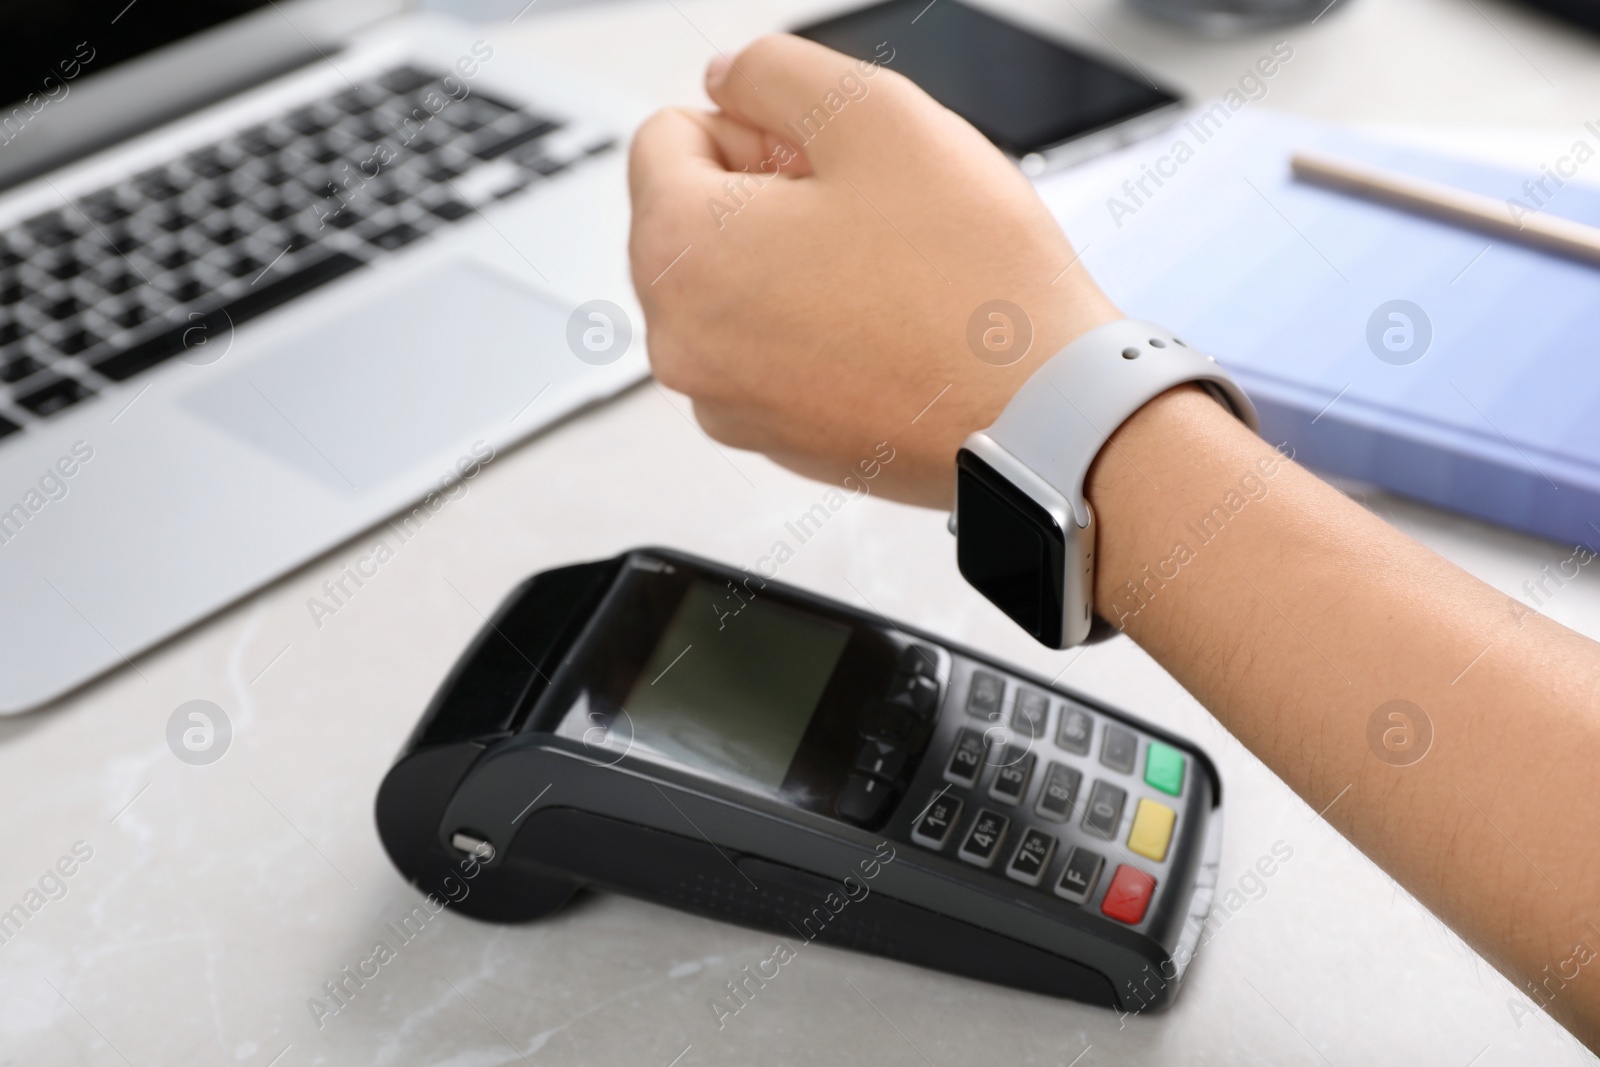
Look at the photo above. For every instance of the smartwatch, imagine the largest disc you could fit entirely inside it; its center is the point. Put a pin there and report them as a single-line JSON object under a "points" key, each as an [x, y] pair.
{"points": [[1025, 535]]}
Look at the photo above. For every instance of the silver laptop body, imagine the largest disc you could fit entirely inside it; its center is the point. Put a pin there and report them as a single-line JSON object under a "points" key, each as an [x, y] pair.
{"points": [[381, 250]]}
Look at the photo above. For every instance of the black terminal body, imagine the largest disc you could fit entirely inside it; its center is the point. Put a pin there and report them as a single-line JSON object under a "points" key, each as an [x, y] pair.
{"points": [[669, 728]]}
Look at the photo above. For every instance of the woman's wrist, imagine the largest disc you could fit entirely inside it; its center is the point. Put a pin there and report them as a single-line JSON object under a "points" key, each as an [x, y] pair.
{"points": [[1168, 481]]}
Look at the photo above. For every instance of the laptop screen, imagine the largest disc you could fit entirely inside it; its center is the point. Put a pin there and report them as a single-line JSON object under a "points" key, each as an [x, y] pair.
{"points": [[46, 44]]}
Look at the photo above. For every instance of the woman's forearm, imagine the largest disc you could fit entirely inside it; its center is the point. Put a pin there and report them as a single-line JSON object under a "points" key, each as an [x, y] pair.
{"points": [[1299, 619]]}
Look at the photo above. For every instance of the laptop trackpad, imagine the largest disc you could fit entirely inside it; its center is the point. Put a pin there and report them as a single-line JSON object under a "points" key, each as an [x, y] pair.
{"points": [[371, 393]]}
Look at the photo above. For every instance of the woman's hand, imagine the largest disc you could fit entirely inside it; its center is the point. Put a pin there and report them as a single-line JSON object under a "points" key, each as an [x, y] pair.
{"points": [[810, 260]]}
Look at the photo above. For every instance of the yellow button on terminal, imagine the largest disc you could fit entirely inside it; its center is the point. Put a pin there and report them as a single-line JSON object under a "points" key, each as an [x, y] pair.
{"points": [[1152, 830]]}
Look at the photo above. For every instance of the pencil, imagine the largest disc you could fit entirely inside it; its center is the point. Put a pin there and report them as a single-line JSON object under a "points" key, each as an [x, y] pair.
{"points": [[1475, 211]]}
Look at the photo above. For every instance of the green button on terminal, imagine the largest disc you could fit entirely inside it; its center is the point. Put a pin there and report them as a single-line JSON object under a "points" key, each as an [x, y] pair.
{"points": [[1163, 768]]}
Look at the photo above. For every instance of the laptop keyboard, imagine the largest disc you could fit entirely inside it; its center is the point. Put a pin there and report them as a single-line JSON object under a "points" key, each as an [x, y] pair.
{"points": [[173, 258]]}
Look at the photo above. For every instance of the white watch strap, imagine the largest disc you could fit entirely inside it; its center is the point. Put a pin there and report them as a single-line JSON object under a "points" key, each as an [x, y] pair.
{"points": [[1067, 410]]}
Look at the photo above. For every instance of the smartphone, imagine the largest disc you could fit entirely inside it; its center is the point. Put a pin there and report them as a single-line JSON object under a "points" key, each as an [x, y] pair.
{"points": [[1044, 103]]}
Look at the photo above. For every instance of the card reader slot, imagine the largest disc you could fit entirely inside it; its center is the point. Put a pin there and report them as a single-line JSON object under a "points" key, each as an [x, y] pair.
{"points": [[798, 905], [511, 659]]}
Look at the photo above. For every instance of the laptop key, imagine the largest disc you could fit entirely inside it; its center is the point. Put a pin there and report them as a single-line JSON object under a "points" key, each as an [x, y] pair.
{"points": [[157, 185], [121, 282], [544, 166], [173, 258], [450, 210], [225, 196], [264, 198], [64, 308], [396, 237], [308, 121], [261, 141], [295, 239], [491, 106], [7, 426], [425, 145], [103, 208], [209, 163], [19, 367], [85, 289], [184, 290], [225, 234], [324, 152], [532, 129], [443, 172], [405, 79], [357, 101], [54, 395], [244, 266], [275, 175], [50, 229], [65, 268], [391, 195], [124, 239], [131, 317], [77, 341]]}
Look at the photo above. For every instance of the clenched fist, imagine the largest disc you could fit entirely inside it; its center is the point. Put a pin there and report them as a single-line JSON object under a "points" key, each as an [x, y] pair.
{"points": [[815, 262]]}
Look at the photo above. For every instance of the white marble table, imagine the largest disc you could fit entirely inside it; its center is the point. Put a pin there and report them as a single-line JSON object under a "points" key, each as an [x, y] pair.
{"points": [[217, 900]]}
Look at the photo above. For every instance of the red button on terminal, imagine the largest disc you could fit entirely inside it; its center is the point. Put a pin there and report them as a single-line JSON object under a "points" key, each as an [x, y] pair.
{"points": [[1128, 895]]}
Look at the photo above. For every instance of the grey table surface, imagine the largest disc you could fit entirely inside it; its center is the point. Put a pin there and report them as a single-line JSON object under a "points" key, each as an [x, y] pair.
{"points": [[217, 900]]}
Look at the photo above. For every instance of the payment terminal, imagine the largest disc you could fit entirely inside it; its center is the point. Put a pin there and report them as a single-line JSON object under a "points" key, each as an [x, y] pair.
{"points": [[703, 737]]}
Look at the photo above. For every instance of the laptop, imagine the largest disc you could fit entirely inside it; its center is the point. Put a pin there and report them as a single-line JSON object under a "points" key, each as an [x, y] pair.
{"points": [[271, 272]]}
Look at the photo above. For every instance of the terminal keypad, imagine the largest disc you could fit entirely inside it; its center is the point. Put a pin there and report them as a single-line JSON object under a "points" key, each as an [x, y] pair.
{"points": [[1051, 793]]}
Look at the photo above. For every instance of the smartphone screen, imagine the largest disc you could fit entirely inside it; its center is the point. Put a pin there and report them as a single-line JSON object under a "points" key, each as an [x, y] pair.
{"points": [[1024, 93]]}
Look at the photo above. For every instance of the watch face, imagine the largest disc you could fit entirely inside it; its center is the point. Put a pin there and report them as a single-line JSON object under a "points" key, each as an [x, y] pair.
{"points": [[1009, 548]]}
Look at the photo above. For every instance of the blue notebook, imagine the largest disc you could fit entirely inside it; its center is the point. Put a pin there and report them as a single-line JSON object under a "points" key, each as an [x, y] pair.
{"points": [[1486, 402]]}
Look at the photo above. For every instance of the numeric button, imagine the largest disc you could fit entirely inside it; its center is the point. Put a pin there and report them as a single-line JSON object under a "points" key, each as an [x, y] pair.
{"points": [[983, 841], [1079, 876], [1119, 749], [1060, 790], [1075, 731], [1031, 713], [986, 695], [966, 759], [1011, 781], [1104, 811], [933, 829], [1032, 857]]}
